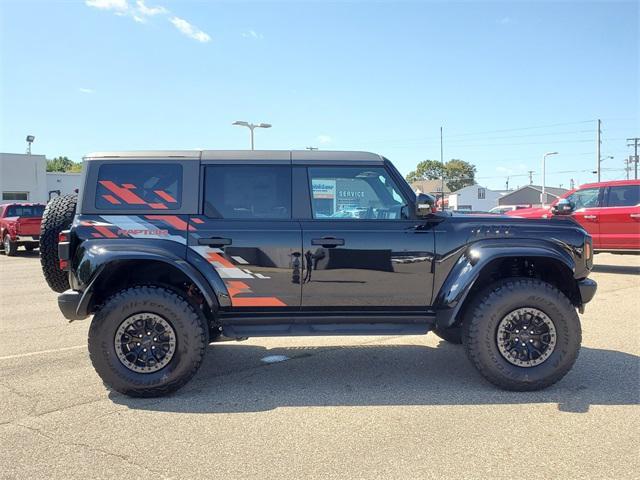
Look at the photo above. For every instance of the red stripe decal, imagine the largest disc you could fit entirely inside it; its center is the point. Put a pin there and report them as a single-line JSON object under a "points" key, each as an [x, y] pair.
{"points": [[111, 199], [197, 220], [216, 257], [158, 206], [128, 197], [106, 232], [130, 186], [175, 222], [165, 196], [257, 302], [96, 235]]}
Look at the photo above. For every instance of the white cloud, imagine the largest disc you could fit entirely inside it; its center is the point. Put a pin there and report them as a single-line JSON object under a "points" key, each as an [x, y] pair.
{"points": [[252, 34], [189, 30], [140, 12], [324, 139], [150, 11], [504, 20], [86, 90], [116, 5]]}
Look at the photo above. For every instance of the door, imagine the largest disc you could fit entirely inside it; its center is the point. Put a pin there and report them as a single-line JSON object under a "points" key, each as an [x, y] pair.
{"points": [[620, 218], [587, 211], [361, 247], [247, 235]]}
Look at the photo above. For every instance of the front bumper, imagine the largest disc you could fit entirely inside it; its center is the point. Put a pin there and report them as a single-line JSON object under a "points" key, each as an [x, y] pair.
{"points": [[587, 289], [28, 238], [68, 302]]}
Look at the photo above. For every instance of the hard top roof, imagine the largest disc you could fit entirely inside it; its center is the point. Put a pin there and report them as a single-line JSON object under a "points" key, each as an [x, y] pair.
{"points": [[237, 155]]}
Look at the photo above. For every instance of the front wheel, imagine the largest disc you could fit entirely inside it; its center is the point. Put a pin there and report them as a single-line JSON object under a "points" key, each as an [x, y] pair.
{"points": [[10, 248], [147, 341], [522, 334]]}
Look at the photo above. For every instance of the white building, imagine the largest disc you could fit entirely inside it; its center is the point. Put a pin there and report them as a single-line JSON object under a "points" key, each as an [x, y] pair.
{"points": [[24, 178], [474, 197]]}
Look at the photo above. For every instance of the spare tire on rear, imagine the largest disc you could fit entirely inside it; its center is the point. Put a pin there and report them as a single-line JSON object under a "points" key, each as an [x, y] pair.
{"points": [[57, 216]]}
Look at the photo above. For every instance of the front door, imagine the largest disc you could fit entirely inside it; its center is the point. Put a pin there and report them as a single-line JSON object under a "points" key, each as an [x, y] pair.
{"points": [[361, 248], [587, 211], [247, 235], [620, 218]]}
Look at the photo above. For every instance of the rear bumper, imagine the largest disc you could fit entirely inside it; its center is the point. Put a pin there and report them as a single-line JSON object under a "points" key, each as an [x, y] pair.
{"points": [[587, 289], [68, 302]]}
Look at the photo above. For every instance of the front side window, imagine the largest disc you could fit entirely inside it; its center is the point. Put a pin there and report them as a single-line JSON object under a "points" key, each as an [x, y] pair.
{"points": [[248, 192], [349, 193], [139, 186], [624, 196], [587, 198]]}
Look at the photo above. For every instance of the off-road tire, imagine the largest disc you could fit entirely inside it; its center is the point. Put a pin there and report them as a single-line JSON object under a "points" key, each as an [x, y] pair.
{"points": [[451, 335], [498, 300], [57, 216], [10, 248], [191, 341]]}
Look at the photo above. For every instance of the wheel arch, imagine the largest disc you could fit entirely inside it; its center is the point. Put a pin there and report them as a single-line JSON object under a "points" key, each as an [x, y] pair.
{"points": [[483, 263], [104, 271]]}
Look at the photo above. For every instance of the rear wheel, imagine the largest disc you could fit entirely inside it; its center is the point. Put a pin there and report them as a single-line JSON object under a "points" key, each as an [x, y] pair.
{"points": [[522, 334], [10, 248], [57, 216], [147, 341]]}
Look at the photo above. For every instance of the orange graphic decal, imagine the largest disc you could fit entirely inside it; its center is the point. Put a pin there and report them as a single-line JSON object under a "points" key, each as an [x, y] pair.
{"points": [[197, 220], [235, 287], [174, 221], [106, 232], [111, 199], [130, 186], [165, 196], [126, 195], [216, 257], [158, 206]]}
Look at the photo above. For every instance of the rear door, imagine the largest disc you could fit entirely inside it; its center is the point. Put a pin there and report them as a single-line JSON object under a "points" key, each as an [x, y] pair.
{"points": [[245, 232], [620, 218], [587, 213], [362, 248]]}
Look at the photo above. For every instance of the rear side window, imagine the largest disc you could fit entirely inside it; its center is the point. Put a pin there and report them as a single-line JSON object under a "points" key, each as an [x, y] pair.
{"points": [[28, 211], [624, 196], [248, 192], [139, 186]]}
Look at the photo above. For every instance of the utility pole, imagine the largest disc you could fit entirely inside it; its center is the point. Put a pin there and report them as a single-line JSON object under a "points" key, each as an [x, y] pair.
{"points": [[635, 141], [507, 184], [627, 165], [442, 163], [598, 145], [572, 184], [530, 177]]}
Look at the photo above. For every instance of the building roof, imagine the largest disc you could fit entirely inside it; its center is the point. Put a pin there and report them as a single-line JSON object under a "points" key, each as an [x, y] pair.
{"points": [[429, 186], [552, 191]]}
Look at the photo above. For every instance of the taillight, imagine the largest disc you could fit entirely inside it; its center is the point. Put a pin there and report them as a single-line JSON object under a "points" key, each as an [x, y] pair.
{"points": [[63, 264], [63, 237]]}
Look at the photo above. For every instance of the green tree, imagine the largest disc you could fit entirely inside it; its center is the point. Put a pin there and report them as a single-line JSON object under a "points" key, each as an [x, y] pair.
{"points": [[457, 173], [63, 164]]}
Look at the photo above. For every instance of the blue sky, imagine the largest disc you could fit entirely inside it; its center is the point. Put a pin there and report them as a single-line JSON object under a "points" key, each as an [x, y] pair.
{"points": [[508, 81]]}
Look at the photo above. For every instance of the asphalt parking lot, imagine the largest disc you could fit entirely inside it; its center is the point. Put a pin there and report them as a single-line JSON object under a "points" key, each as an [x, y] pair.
{"points": [[340, 407]]}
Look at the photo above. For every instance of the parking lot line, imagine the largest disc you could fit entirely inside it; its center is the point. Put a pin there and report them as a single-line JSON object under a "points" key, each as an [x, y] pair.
{"points": [[42, 352]]}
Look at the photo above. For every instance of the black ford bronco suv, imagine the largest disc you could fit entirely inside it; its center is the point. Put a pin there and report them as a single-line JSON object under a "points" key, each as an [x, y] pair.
{"points": [[172, 250]]}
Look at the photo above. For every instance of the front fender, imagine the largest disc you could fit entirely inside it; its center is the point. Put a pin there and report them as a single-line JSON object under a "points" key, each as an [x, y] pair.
{"points": [[96, 257], [478, 256]]}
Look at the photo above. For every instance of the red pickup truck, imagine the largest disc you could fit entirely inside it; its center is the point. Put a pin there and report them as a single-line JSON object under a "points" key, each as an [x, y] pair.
{"points": [[20, 226], [609, 211]]}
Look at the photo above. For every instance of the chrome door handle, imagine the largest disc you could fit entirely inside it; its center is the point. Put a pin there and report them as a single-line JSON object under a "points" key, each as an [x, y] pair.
{"points": [[634, 215], [590, 217], [214, 241]]}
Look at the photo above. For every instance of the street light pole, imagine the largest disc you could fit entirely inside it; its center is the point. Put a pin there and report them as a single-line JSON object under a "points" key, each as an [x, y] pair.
{"points": [[543, 195], [251, 127]]}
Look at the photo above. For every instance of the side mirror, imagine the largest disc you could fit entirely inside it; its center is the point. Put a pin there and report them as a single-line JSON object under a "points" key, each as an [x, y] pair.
{"points": [[424, 205], [563, 207]]}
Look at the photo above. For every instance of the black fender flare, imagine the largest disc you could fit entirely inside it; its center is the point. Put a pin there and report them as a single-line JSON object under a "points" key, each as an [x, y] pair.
{"points": [[98, 257], [478, 256]]}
